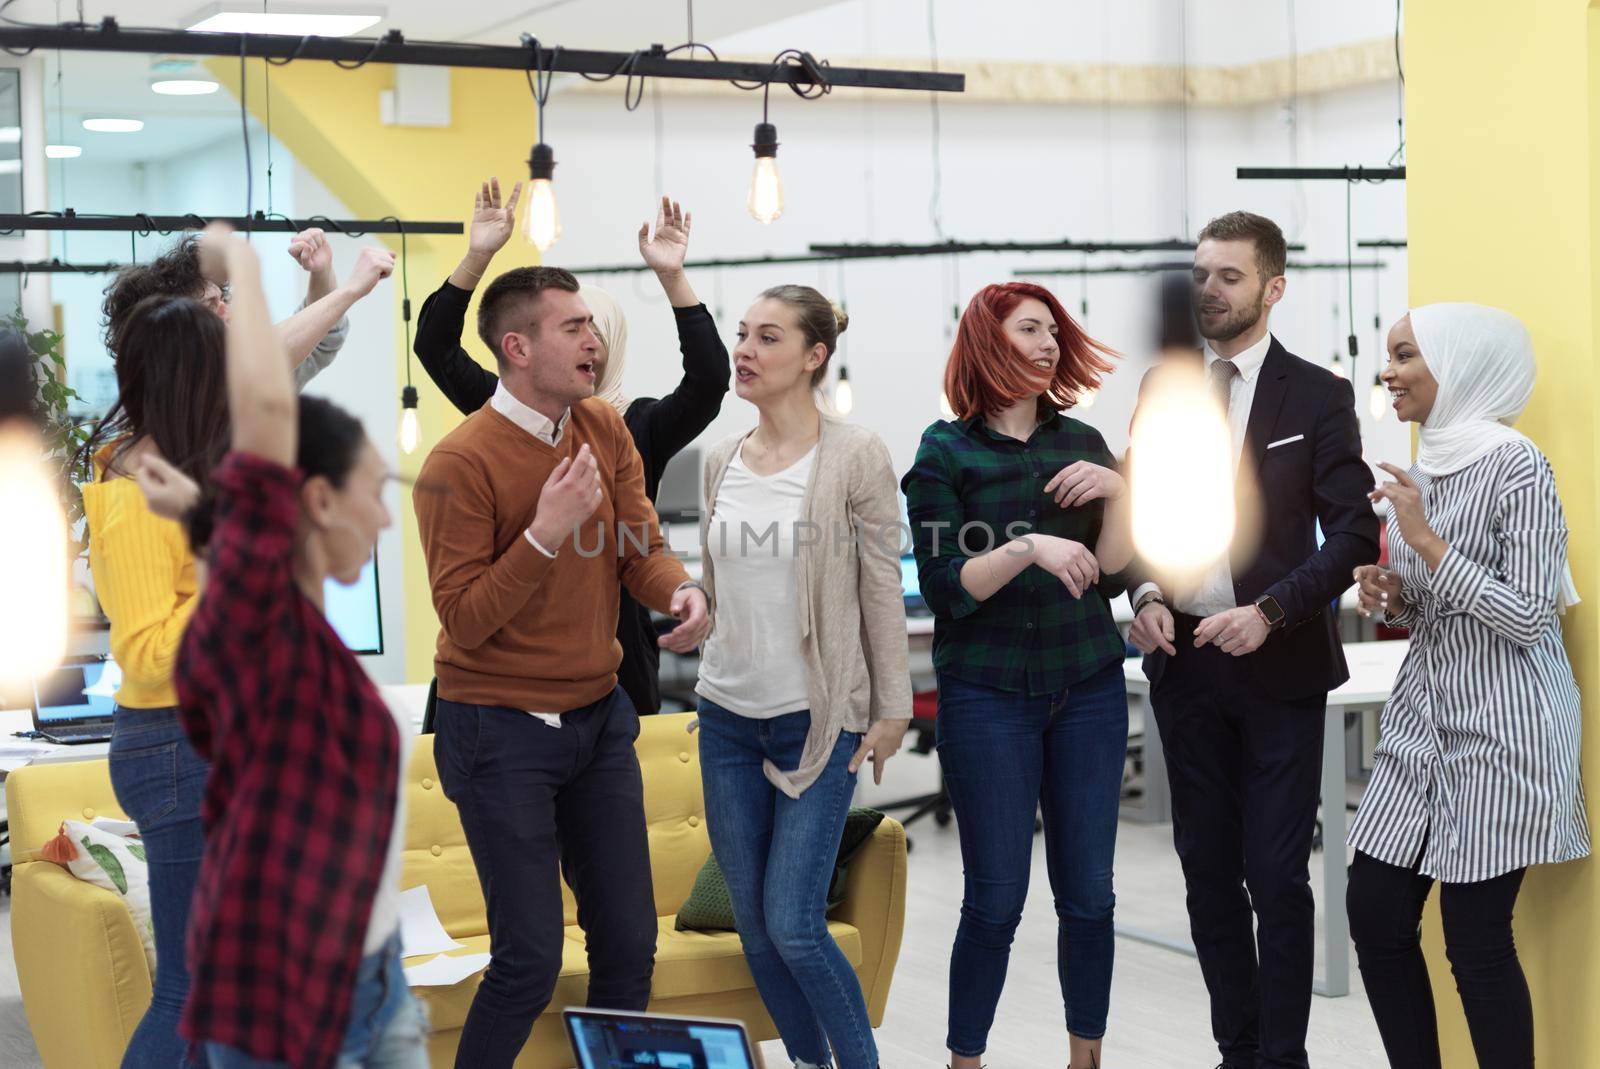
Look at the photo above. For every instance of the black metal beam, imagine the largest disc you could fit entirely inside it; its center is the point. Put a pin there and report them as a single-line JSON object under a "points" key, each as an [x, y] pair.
{"points": [[258, 223], [738, 261], [54, 267], [1340, 174], [1184, 266], [956, 248], [1384, 243], [108, 36]]}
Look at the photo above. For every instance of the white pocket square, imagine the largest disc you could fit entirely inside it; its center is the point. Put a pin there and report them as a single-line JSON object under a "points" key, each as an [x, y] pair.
{"points": [[1286, 441]]}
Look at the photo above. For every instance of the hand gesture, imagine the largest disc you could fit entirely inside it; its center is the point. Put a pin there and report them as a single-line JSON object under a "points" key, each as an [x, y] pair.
{"points": [[570, 496], [217, 247], [1405, 502], [311, 250], [1069, 561], [1378, 590], [665, 252], [1153, 629], [1236, 632], [1078, 484], [492, 223], [169, 492], [881, 742], [372, 266], [694, 616]]}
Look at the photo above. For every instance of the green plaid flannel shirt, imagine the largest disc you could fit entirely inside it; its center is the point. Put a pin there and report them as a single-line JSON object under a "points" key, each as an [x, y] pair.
{"points": [[1032, 636]]}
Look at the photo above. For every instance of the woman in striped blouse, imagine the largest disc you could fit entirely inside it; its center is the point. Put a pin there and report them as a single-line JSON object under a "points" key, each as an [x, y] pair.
{"points": [[1476, 774]]}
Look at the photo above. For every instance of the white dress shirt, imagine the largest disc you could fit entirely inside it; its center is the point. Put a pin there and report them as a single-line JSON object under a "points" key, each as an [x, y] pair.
{"points": [[1214, 593], [537, 424]]}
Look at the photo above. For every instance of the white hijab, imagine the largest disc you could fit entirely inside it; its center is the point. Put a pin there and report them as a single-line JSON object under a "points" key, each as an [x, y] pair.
{"points": [[612, 327], [1482, 359]]}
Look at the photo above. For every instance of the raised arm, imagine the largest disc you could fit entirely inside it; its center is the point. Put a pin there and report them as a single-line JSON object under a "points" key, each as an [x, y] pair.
{"points": [[261, 399], [301, 333]]}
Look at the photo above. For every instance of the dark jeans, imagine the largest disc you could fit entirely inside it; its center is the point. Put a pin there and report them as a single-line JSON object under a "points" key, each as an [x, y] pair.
{"points": [[387, 1029], [777, 855], [1385, 904], [159, 781], [537, 802], [1246, 773], [1007, 755]]}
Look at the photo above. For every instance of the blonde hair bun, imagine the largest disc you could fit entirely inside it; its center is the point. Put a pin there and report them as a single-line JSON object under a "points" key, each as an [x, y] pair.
{"points": [[840, 316]]}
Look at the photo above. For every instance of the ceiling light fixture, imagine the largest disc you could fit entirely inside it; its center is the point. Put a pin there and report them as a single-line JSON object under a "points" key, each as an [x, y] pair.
{"points": [[113, 126], [288, 19], [184, 87], [63, 152]]}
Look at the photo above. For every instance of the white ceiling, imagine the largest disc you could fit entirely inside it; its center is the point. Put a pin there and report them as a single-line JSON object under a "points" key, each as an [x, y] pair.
{"points": [[119, 84]]}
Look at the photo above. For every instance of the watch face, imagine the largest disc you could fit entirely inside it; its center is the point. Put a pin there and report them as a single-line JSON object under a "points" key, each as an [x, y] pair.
{"points": [[1271, 610]]}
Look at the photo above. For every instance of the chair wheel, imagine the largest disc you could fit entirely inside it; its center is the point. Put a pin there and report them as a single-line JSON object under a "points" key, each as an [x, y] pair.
{"points": [[942, 817]]}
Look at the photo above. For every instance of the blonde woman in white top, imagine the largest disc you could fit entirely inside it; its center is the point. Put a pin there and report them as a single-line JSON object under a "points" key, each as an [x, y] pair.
{"points": [[804, 677]]}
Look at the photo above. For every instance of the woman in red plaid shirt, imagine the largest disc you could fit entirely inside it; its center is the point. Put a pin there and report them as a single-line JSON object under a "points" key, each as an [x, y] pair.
{"points": [[293, 941]]}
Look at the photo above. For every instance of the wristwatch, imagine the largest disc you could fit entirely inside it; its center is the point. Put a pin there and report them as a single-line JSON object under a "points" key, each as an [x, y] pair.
{"points": [[1270, 611]]}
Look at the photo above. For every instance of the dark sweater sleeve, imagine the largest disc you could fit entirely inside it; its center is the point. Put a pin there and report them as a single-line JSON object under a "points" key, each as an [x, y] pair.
{"points": [[673, 421], [443, 317]]}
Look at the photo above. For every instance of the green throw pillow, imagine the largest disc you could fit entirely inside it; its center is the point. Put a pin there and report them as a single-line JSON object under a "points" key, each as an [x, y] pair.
{"points": [[710, 909]]}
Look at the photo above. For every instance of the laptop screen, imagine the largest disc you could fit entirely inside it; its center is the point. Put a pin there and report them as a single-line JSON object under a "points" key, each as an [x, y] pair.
{"points": [[77, 692], [626, 1041], [908, 577]]}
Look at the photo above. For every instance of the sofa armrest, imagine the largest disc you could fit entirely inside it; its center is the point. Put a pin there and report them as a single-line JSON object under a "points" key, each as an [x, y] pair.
{"points": [[875, 905], [81, 967]]}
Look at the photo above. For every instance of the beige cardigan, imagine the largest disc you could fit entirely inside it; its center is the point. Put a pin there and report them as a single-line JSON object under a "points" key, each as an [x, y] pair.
{"points": [[851, 611]]}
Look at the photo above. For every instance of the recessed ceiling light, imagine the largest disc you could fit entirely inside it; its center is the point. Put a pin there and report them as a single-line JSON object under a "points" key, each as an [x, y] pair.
{"points": [[294, 20], [184, 87], [63, 152], [113, 126], [10, 135]]}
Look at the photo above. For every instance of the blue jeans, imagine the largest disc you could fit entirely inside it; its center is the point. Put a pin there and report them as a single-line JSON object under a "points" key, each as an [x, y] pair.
{"points": [[387, 1029], [777, 855], [159, 781], [1005, 755], [537, 803]]}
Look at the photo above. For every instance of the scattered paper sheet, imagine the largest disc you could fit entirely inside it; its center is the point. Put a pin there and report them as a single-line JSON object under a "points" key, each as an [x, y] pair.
{"points": [[445, 971], [420, 930]]}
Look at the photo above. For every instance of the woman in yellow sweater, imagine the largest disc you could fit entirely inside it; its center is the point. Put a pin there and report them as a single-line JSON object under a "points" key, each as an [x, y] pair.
{"points": [[171, 403]]}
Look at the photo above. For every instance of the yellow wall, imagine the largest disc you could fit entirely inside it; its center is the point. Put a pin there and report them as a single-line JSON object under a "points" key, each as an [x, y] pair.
{"points": [[328, 117], [1503, 181]]}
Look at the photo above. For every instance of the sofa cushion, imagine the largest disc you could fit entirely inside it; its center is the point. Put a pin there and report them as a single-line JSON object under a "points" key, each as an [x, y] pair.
{"points": [[687, 963]]}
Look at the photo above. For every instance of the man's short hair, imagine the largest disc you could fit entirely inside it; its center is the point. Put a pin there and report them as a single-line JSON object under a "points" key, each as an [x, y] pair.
{"points": [[175, 273], [509, 296], [1272, 254]]}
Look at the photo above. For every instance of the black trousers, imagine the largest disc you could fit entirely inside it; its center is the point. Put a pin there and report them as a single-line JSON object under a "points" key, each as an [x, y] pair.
{"points": [[538, 804], [1245, 771], [1385, 904]]}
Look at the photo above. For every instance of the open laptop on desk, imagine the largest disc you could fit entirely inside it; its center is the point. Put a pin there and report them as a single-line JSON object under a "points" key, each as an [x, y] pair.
{"points": [[613, 1039], [73, 703]]}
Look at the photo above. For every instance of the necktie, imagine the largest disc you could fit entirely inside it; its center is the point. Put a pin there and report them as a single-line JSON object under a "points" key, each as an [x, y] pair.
{"points": [[1222, 374]]}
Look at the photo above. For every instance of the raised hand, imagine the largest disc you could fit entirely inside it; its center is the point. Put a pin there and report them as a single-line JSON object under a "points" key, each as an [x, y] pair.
{"points": [[665, 252], [310, 249], [492, 221], [1082, 482], [372, 266], [570, 496]]}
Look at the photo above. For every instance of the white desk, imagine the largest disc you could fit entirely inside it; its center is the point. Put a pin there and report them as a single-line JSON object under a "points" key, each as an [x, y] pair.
{"points": [[1373, 667]]}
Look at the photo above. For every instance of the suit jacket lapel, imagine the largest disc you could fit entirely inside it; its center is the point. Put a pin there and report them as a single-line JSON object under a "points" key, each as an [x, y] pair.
{"points": [[1271, 387]]}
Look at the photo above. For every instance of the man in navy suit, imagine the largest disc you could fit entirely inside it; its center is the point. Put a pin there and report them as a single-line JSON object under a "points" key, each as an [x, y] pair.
{"points": [[1242, 658]]}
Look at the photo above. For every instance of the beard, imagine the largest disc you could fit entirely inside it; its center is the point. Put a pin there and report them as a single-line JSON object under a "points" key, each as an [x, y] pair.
{"points": [[1238, 321]]}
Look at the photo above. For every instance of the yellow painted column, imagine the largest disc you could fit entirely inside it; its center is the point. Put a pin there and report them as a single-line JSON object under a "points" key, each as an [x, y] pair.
{"points": [[1503, 180], [328, 117]]}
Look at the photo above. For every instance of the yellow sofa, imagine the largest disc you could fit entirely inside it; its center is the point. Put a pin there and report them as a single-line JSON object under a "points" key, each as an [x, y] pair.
{"points": [[85, 983]]}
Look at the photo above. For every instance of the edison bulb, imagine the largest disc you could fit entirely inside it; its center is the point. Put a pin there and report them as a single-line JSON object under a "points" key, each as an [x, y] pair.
{"points": [[33, 563], [410, 433], [1086, 399], [766, 190], [541, 221], [1338, 368], [1182, 481], [1379, 402], [844, 397]]}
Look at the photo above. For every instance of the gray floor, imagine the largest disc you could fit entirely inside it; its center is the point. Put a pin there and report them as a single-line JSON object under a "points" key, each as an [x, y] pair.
{"points": [[1158, 1003]]}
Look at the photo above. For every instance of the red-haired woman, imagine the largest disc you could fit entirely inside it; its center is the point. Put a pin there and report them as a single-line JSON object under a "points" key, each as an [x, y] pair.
{"points": [[1020, 522]]}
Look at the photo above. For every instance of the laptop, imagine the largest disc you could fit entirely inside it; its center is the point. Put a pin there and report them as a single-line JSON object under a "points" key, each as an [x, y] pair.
{"points": [[613, 1039], [73, 704], [911, 589]]}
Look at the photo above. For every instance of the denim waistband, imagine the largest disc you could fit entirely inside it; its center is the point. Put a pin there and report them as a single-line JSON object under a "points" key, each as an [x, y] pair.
{"points": [[128, 723]]}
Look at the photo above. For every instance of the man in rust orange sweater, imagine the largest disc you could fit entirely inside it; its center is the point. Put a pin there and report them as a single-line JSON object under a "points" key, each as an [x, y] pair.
{"points": [[542, 513]]}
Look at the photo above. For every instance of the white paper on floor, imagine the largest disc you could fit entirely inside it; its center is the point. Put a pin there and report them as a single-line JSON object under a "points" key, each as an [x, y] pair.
{"points": [[445, 971], [420, 930]]}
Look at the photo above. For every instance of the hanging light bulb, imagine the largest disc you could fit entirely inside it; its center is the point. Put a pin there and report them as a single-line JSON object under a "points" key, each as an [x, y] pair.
{"points": [[410, 433], [541, 221], [844, 397], [33, 562], [766, 186], [1086, 398], [1337, 366], [1378, 402], [945, 407]]}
